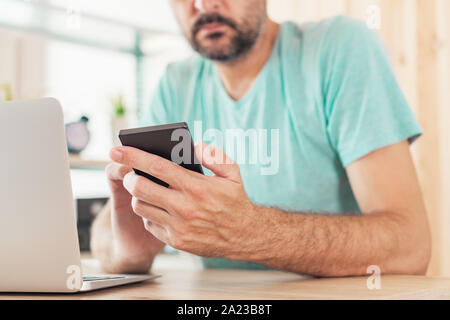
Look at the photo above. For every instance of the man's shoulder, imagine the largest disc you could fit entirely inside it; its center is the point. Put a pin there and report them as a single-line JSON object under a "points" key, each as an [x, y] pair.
{"points": [[346, 29], [337, 27], [334, 39], [316, 41], [342, 23]]}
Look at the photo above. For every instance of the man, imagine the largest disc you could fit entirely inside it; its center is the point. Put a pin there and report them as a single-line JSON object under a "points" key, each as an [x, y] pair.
{"points": [[345, 194]]}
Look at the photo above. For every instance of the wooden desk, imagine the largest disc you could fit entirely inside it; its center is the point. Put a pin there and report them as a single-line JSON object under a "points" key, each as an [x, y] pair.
{"points": [[239, 284]]}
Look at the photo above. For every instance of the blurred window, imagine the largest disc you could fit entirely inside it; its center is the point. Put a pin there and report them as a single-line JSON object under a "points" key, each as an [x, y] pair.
{"points": [[92, 51]]}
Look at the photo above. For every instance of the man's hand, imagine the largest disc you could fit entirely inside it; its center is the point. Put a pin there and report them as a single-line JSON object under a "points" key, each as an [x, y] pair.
{"points": [[206, 216], [132, 244]]}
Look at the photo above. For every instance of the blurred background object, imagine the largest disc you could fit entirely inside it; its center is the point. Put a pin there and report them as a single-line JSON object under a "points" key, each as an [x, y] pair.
{"points": [[83, 52], [119, 117], [6, 92], [87, 210], [77, 135]]}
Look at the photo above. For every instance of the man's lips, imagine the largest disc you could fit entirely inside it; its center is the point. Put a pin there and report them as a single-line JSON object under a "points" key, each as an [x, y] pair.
{"points": [[213, 28]]}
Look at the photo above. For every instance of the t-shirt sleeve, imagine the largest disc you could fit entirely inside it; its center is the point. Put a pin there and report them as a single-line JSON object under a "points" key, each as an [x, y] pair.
{"points": [[159, 111], [365, 108]]}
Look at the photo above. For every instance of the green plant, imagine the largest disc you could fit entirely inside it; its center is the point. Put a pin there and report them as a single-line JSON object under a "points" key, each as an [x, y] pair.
{"points": [[119, 106], [6, 88]]}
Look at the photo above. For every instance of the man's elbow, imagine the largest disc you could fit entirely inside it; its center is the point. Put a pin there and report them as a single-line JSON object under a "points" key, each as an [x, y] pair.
{"points": [[419, 253]]}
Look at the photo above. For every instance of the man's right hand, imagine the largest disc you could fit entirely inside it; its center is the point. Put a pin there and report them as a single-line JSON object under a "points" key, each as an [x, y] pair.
{"points": [[132, 243]]}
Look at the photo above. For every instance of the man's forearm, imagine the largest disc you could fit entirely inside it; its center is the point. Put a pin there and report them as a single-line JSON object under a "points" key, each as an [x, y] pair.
{"points": [[337, 245], [102, 247]]}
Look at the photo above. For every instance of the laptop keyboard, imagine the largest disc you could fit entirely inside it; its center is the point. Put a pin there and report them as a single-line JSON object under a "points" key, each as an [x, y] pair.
{"points": [[94, 278]]}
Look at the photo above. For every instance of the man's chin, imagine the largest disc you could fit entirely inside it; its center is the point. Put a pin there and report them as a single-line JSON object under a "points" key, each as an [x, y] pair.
{"points": [[220, 49], [218, 56]]}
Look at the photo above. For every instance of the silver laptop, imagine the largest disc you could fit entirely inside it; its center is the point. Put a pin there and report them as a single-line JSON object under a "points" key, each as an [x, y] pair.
{"points": [[39, 249]]}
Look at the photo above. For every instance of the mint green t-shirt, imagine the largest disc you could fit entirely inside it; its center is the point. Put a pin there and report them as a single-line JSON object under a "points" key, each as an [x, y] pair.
{"points": [[330, 91]]}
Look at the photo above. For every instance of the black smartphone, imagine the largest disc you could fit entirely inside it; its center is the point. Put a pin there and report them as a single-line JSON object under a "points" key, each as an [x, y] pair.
{"points": [[172, 142]]}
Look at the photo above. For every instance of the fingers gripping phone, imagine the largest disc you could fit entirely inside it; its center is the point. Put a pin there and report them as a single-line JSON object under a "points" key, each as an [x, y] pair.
{"points": [[172, 142]]}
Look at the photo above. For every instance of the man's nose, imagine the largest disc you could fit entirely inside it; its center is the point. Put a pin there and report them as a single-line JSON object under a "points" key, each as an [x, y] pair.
{"points": [[208, 5]]}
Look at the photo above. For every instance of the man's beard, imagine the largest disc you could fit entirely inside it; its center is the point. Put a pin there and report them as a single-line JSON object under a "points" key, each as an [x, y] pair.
{"points": [[240, 44]]}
